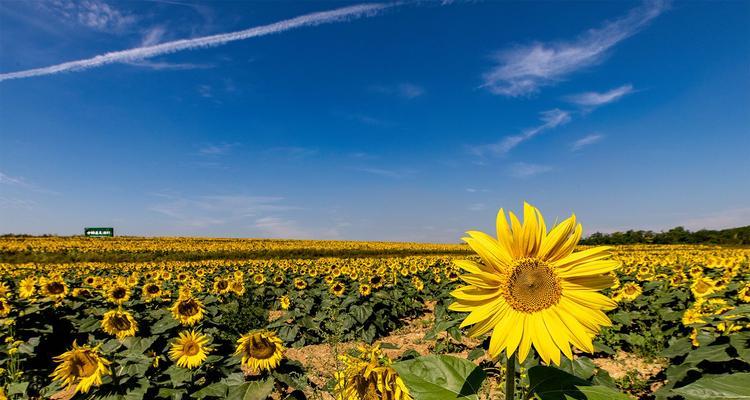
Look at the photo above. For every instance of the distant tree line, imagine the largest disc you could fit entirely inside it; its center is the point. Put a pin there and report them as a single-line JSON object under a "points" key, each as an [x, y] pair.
{"points": [[678, 235]]}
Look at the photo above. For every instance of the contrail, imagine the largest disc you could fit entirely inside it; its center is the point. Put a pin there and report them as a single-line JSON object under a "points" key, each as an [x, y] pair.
{"points": [[140, 53]]}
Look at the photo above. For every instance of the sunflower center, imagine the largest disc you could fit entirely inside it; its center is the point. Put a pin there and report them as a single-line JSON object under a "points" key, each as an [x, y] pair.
{"points": [[261, 348], [82, 365], [533, 286], [152, 289], [223, 285], [55, 288], [119, 293], [188, 308], [121, 322], [190, 348]]}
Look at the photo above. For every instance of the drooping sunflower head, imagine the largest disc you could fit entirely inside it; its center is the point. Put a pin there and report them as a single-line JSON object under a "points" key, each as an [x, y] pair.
{"points": [[4, 307], [190, 349], [369, 376], [188, 310], [532, 288], [82, 367], [260, 351], [119, 323]]}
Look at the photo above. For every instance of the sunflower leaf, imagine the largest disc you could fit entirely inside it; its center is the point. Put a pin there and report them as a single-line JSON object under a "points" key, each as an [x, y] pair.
{"points": [[441, 377], [722, 387]]}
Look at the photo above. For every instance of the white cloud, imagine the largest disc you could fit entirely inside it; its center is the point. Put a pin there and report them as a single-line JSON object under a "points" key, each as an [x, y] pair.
{"points": [[525, 69], [216, 149], [550, 119], [140, 53], [21, 183], [211, 210], [526, 170], [405, 90], [592, 100], [93, 14], [586, 140], [477, 207], [276, 227], [153, 35]]}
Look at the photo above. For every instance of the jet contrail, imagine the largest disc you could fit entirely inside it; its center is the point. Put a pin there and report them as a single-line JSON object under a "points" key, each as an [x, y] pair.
{"points": [[140, 53]]}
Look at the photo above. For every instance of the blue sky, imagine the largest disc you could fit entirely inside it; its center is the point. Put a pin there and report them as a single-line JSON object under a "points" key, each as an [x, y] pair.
{"points": [[408, 121]]}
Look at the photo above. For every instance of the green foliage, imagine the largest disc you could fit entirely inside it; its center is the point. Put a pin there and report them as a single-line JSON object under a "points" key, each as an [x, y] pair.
{"points": [[441, 377]]}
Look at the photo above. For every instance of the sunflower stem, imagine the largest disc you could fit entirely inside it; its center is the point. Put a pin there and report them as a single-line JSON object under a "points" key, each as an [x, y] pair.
{"points": [[510, 377]]}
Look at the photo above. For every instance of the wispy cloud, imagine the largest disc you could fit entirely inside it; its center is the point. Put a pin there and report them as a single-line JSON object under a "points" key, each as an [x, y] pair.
{"points": [[525, 69], [387, 173], [550, 119], [140, 53], [93, 14], [21, 183], [210, 210], [367, 119], [216, 149], [405, 90], [526, 170], [275, 227], [16, 203], [167, 66], [477, 207], [475, 190], [731, 218], [586, 141], [591, 100]]}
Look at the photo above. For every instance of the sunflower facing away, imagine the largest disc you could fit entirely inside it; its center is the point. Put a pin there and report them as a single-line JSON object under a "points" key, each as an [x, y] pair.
{"points": [[533, 289], [81, 367], [260, 351], [369, 376], [190, 349], [119, 323]]}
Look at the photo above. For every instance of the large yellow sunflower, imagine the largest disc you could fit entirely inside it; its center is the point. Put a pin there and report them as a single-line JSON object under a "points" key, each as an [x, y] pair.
{"points": [[260, 350], [533, 289], [190, 349], [119, 323], [188, 310], [81, 367]]}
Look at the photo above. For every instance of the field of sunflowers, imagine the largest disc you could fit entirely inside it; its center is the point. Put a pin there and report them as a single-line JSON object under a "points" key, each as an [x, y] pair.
{"points": [[188, 318]]}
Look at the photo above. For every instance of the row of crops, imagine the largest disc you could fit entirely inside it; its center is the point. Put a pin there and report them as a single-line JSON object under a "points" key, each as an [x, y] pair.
{"points": [[220, 328]]}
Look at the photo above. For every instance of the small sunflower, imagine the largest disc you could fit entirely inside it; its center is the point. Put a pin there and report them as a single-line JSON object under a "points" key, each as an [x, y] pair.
{"points": [[369, 376], [744, 293], [221, 286], [119, 323], [259, 279], [118, 293], [237, 287], [703, 286], [260, 350], [55, 289], [4, 307], [376, 281], [190, 349], [284, 302], [364, 290], [82, 367], [27, 287], [188, 310], [629, 292], [337, 288], [300, 283], [151, 291]]}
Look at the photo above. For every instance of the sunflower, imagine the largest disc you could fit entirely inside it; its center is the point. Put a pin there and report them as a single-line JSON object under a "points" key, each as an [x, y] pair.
{"points": [[364, 290], [118, 293], [260, 350], [81, 368], [278, 280], [119, 323], [532, 288], [369, 375], [4, 290], [4, 307], [259, 279], [629, 292], [151, 291], [337, 288], [376, 281], [55, 289], [221, 286], [744, 293], [190, 349], [703, 286], [27, 287], [417, 283], [285, 302], [300, 283], [237, 287], [188, 310]]}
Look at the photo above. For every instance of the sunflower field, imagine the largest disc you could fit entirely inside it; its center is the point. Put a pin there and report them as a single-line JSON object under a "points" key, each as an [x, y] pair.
{"points": [[525, 315]]}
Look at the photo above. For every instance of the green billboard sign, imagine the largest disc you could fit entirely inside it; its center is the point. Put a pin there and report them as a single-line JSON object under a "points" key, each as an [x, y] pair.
{"points": [[99, 232]]}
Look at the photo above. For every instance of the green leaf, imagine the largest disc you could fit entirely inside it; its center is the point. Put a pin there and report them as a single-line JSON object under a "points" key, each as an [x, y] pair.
{"points": [[361, 313], [441, 377], [164, 325], [550, 383], [722, 387], [677, 348], [709, 353], [217, 389], [251, 390], [581, 367], [178, 375], [601, 393], [17, 388]]}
